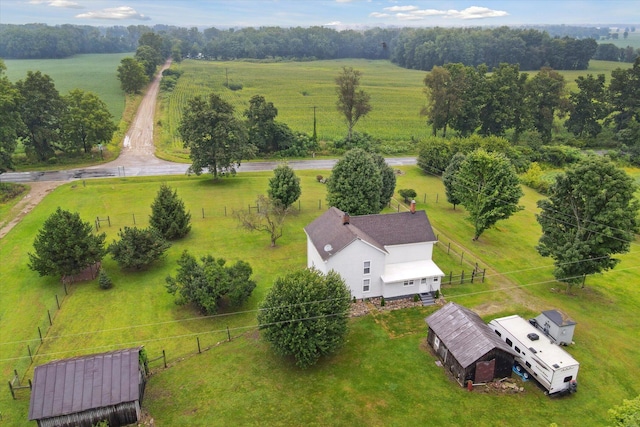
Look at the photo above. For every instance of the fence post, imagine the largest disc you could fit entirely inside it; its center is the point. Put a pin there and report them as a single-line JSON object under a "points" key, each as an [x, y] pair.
{"points": [[49, 314], [198, 339], [202, 212], [473, 274], [134, 219], [13, 394], [437, 197], [30, 355], [65, 288], [228, 334], [483, 273], [225, 211], [450, 276], [449, 248], [109, 220], [461, 257], [164, 357], [57, 302], [462, 277], [424, 200], [40, 333], [398, 207]]}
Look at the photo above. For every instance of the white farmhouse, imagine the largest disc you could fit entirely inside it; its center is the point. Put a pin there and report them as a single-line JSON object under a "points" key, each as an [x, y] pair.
{"points": [[377, 255]]}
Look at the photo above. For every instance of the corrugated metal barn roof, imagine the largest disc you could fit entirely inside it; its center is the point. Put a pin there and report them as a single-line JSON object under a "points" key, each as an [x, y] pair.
{"points": [[83, 383], [464, 333]]}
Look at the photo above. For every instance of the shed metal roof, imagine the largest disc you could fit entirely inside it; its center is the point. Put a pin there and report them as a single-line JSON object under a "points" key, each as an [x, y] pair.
{"points": [[558, 317], [464, 333], [83, 383], [330, 235]]}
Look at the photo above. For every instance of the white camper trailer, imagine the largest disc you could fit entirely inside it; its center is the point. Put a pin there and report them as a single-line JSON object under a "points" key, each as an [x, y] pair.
{"points": [[545, 361]]}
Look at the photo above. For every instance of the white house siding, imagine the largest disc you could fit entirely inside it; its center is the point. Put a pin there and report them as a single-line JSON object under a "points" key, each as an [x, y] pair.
{"points": [[350, 265], [409, 252], [314, 259]]}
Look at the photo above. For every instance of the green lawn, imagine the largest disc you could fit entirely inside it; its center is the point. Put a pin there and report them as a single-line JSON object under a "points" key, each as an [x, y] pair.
{"points": [[378, 378]]}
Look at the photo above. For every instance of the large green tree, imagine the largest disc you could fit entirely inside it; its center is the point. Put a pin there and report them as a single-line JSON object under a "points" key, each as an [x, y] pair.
{"points": [[138, 247], [590, 215], [352, 103], [10, 121], [587, 107], [355, 184], [487, 186], [262, 128], [544, 97], [284, 186], [65, 245], [206, 283], [41, 111], [434, 155], [149, 58], [388, 176], [624, 93], [132, 76], [627, 414], [305, 315], [169, 215], [217, 140], [86, 121], [503, 106], [449, 178]]}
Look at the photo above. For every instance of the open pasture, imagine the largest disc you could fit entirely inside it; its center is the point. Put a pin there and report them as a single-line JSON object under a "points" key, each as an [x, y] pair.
{"points": [[96, 73], [376, 379]]}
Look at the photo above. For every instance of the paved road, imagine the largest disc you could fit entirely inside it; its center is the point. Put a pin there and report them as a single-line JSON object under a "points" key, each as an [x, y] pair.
{"points": [[169, 168]]}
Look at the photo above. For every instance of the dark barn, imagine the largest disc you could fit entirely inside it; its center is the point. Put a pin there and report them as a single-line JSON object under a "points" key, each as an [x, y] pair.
{"points": [[468, 348], [82, 391]]}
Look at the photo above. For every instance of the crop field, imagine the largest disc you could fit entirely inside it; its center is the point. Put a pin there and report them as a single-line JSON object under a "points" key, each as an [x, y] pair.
{"points": [[384, 375], [632, 40], [95, 73]]}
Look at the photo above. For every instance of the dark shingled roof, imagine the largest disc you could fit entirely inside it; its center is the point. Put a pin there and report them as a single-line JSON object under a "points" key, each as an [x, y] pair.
{"points": [[378, 230], [82, 383], [464, 333], [558, 318]]}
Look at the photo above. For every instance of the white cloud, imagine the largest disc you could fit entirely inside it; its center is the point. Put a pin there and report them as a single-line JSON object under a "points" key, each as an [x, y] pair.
{"points": [[476, 12], [333, 24], [379, 15], [115, 13], [400, 8], [59, 3]]}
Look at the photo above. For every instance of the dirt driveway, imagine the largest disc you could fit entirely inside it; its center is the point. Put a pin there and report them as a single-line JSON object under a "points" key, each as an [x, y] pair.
{"points": [[138, 149]]}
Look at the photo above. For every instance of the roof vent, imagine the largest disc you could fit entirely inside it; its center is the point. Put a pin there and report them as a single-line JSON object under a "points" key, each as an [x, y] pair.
{"points": [[328, 248], [533, 350], [555, 365], [533, 336]]}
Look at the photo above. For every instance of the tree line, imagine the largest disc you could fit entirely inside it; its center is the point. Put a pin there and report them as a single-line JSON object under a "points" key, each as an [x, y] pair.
{"points": [[468, 100], [416, 48]]}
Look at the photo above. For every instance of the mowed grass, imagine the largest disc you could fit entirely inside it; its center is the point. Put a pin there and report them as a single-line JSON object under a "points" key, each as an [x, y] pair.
{"points": [[96, 73], [384, 375]]}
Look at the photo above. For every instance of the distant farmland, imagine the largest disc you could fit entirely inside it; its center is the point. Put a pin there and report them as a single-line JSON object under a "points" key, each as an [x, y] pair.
{"points": [[95, 73]]}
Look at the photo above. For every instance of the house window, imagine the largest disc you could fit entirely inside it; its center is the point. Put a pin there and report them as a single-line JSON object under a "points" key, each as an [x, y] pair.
{"points": [[435, 279], [436, 342], [408, 283], [366, 285], [423, 281], [509, 342], [367, 267]]}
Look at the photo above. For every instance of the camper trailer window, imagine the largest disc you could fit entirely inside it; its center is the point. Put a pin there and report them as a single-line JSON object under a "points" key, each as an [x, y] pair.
{"points": [[517, 349], [509, 342], [567, 379]]}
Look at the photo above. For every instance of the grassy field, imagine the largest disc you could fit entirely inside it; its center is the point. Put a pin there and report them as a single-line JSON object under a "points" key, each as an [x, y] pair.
{"points": [[94, 72], [383, 375], [632, 40]]}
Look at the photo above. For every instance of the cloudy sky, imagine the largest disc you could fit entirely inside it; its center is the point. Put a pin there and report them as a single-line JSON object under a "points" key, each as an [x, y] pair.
{"points": [[330, 13]]}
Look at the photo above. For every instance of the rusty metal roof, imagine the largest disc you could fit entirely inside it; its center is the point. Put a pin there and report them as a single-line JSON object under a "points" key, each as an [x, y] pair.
{"points": [[464, 333], [86, 382]]}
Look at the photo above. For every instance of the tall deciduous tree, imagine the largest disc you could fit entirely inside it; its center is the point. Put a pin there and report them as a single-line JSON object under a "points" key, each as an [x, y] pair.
{"points": [[206, 283], [149, 58], [590, 215], [216, 139], [449, 178], [352, 103], [284, 186], [168, 214], [304, 315], [624, 92], [587, 107], [388, 176], [41, 111], [434, 155], [10, 121], [487, 186], [65, 245], [132, 75], [503, 107], [262, 129], [355, 184], [544, 94], [86, 121]]}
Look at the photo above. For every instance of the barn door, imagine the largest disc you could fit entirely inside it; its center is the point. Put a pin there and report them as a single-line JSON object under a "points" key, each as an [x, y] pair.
{"points": [[485, 371]]}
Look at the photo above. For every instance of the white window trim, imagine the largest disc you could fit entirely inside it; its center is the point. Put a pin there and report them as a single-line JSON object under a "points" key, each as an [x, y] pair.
{"points": [[410, 282], [367, 283], [365, 268]]}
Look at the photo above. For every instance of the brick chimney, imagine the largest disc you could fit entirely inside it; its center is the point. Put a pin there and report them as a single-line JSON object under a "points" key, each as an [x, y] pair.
{"points": [[413, 207], [345, 219]]}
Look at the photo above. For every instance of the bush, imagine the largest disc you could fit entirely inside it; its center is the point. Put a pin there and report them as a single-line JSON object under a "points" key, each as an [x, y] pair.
{"points": [[233, 86], [138, 248], [407, 194], [416, 298], [104, 280], [382, 303], [319, 178]]}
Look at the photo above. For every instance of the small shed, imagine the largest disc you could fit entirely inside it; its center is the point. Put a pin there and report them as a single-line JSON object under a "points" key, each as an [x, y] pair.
{"points": [[467, 346], [85, 390], [556, 325]]}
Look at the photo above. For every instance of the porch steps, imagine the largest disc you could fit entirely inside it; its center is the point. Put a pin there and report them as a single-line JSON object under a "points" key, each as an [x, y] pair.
{"points": [[427, 299]]}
